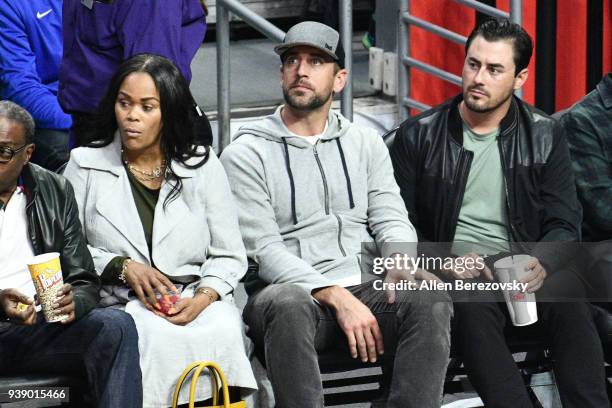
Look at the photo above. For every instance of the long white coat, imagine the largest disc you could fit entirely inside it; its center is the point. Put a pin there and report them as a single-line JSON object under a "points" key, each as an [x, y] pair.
{"points": [[196, 235]]}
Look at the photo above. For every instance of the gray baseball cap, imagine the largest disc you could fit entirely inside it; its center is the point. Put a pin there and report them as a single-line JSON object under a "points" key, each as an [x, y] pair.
{"points": [[313, 34]]}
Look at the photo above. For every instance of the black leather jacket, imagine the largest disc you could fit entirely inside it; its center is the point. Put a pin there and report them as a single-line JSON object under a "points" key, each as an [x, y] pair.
{"points": [[53, 226], [431, 167]]}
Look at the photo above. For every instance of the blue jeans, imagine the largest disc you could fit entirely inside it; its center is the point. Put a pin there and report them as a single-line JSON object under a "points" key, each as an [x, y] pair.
{"points": [[291, 327], [102, 346]]}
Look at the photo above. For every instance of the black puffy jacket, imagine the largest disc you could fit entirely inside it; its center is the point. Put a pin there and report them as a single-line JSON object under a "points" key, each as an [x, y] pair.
{"points": [[431, 167], [53, 226]]}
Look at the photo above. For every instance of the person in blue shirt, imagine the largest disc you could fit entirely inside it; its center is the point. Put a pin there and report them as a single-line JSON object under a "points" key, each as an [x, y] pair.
{"points": [[30, 56], [100, 35]]}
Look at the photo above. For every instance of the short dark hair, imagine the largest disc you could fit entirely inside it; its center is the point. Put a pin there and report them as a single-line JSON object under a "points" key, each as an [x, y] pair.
{"points": [[495, 29], [15, 113]]}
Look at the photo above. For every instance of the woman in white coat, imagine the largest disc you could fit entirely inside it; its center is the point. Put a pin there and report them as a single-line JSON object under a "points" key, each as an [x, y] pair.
{"points": [[158, 216]]}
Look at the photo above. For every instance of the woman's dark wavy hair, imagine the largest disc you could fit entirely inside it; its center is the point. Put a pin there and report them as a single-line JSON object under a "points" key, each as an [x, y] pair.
{"points": [[185, 130]]}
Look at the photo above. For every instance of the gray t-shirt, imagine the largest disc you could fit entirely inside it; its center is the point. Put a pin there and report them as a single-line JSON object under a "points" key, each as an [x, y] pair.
{"points": [[481, 227]]}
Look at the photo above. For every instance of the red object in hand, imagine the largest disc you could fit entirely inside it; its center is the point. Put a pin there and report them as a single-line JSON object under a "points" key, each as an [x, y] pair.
{"points": [[166, 302]]}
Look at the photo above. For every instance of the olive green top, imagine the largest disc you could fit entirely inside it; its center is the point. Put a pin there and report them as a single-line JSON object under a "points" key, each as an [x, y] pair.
{"points": [[145, 200]]}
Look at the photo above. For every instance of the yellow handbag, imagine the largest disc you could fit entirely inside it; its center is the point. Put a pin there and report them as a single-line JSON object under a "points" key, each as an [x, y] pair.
{"points": [[216, 374]]}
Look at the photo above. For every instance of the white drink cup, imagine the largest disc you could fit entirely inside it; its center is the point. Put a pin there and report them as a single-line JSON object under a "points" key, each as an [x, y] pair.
{"points": [[521, 305]]}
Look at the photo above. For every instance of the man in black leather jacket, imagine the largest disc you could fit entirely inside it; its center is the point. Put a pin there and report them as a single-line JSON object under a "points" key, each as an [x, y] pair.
{"points": [[483, 172], [38, 214]]}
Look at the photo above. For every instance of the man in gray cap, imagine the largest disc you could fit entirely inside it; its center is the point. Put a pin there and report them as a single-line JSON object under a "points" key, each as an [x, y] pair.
{"points": [[310, 188]]}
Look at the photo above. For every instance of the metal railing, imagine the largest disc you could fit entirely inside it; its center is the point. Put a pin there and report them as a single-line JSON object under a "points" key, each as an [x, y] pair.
{"points": [[224, 7], [403, 48]]}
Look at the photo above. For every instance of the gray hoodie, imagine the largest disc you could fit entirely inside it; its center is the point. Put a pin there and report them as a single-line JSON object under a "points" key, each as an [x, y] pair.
{"points": [[304, 209]]}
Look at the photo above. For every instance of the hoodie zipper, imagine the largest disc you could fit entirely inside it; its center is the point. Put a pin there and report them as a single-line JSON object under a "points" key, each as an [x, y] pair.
{"points": [[316, 154], [325, 189]]}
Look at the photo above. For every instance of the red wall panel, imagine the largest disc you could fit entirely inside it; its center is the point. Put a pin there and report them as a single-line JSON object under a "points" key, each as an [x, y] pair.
{"points": [[571, 52], [571, 40], [449, 55], [437, 51]]}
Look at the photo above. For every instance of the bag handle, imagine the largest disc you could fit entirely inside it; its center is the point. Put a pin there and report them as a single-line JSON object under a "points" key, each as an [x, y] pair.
{"points": [[194, 382], [216, 374]]}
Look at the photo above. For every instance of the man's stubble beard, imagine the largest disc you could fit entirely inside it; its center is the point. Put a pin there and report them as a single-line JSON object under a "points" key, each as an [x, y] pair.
{"points": [[311, 104], [486, 108]]}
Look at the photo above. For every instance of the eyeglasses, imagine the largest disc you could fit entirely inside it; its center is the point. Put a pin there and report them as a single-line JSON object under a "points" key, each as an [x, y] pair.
{"points": [[6, 153]]}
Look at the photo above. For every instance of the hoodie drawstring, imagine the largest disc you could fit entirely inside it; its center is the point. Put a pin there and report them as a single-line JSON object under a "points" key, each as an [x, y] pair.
{"points": [[346, 174], [287, 162], [292, 183]]}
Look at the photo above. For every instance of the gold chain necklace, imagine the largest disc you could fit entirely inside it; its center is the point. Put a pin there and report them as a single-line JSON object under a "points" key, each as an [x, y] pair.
{"points": [[144, 175]]}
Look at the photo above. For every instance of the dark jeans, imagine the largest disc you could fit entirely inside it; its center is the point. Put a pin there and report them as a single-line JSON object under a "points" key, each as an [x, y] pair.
{"points": [[479, 330], [52, 149], [101, 346], [291, 327]]}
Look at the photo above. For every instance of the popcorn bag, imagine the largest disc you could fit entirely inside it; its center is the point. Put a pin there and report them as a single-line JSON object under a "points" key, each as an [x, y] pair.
{"points": [[46, 272]]}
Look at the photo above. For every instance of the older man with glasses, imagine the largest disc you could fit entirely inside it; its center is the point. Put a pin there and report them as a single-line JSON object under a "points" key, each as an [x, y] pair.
{"points": [[38, 214]]}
